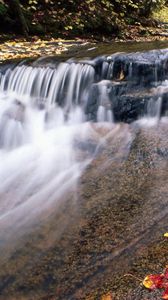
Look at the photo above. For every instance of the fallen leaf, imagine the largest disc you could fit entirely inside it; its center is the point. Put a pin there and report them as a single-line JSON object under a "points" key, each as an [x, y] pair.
{"points": [[153, 281], [107, 296], [165, 294], [166, 273], [121, 77]]}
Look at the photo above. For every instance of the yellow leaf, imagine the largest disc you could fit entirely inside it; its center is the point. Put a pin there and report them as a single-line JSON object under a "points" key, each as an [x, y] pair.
{"points": [[107, 296], [166, 234], [35, 46], [121, 77], [42, 45], [147, 282]]}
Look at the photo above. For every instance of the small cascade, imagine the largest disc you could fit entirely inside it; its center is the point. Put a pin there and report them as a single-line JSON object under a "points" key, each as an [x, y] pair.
{"points": [[39, 164], [83, 174], [130, 71], [156, 73], [44, 123], [42, 119], [110, 73], [67, 85], [104, 112], [76, 83], [154, 108], [64, 84]]}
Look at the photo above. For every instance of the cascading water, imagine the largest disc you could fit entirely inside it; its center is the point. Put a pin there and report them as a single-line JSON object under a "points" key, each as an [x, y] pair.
{"points": [[42, 114], [38, 164], [43, 110], [99, 120]]}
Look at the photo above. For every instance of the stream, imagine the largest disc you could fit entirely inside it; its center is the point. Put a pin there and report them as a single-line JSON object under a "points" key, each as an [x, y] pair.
{"points": [[84, 171]]}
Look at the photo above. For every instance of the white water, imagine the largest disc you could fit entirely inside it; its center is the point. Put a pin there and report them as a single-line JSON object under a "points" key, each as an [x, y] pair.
{"points": [[104, 112], [38, 165], [65, 83], [38, 161], [41, 118], [154, 106]]}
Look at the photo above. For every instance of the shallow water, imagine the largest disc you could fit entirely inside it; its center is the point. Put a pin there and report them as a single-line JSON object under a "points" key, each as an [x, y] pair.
{"points": [[81, 203], [96, 49], [100, 228]]}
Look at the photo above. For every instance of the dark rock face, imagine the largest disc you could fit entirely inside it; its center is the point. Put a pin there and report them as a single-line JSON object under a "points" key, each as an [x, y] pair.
{"points": [[131, 80], [142, 68]]}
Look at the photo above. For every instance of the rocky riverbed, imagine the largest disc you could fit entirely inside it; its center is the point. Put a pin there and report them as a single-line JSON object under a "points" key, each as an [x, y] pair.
{"points": [[107, 234]]}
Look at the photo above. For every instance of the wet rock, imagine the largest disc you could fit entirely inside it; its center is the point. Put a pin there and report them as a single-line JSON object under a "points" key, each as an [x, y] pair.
{"points": [[128, 103], [141, 67], [130, 85]]}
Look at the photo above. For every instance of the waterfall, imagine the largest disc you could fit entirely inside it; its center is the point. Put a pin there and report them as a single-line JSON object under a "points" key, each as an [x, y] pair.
{"points": [[104, 112], [42, 119], [154, 108], [44, 114], [83, 174], [38, 163], [66, 82]]}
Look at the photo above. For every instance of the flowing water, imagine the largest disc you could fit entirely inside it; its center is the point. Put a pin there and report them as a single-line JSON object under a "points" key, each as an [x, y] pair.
{"points": [[74, 180], [41, 117]]}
